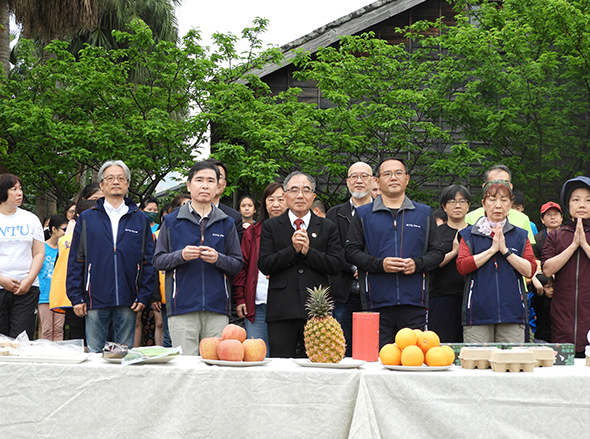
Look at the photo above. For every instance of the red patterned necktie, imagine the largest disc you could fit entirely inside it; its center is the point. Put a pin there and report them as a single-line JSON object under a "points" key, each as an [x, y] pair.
{"points": [[298, 223]]}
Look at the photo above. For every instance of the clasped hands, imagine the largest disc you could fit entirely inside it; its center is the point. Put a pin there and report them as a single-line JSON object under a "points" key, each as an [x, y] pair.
{"points": [[300, 241], [18, 288], [580, 237], [207, 254], [396, 265]]}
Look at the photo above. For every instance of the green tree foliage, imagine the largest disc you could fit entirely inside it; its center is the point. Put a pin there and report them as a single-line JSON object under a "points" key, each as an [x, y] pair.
{"points": [[70, 114], [518, 80]]}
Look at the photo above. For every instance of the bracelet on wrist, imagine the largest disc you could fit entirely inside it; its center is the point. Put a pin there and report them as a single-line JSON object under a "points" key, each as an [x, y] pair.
{"points": [[508, 253]]}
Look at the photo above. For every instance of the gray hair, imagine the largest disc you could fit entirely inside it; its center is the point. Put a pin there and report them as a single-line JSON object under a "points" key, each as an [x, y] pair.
{"points": [[293, 174], [110, 163], [498, 167]]}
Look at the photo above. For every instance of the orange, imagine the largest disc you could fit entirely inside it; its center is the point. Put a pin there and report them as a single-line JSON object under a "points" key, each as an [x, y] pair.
{"points": [[418, 334], [390, 354], [428, 340], [436, 357], [450, 354], [412, 356], [405, 337]]}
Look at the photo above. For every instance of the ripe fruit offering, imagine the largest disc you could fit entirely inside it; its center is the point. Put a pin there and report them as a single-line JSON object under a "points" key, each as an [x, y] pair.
{"points": [[230, 350], [428, 339], [208, 348], [254, 349], [390, 355], [449, 353], [405, 337], [436, 357], [412, 356], [233, 332], [324, 339]]}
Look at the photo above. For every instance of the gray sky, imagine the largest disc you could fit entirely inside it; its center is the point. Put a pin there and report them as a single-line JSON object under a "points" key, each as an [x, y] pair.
{"points": [[288, 20]]}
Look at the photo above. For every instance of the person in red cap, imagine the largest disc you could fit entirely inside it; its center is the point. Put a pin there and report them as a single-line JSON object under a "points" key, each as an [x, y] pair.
{"points": [[551, 217]]}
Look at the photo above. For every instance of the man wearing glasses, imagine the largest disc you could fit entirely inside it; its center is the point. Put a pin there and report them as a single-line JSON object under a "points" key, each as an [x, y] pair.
{"points": [[298, 250], [198, 247], [110, 274], [345, 287], [394, 243]]}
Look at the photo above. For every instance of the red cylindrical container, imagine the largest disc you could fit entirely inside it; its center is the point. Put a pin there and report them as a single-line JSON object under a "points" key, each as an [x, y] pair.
{"points": [[365, 336]]}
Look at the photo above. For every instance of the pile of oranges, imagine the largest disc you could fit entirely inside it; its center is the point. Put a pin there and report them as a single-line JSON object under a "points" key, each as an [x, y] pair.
{"points": [[414, 347]]}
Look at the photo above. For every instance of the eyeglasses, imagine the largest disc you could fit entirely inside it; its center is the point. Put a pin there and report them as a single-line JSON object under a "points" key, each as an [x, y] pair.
{"points": [[119, 178], [552, 215], [295, 190], [363, 176], [462, 202], [389, 174], [64, 228]]}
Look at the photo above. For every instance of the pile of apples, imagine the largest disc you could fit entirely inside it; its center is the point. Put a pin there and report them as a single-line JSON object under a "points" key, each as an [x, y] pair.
{"points": [[233, 346]]}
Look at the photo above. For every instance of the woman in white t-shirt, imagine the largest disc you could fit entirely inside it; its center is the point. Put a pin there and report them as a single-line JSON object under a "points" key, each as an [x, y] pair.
{"points": [[22, 249]]}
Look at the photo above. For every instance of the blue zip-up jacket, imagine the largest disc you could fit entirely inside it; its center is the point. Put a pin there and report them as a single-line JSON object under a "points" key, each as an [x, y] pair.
{"points": [[376, 234], [104, 274], [197, 285], [495, 292]]}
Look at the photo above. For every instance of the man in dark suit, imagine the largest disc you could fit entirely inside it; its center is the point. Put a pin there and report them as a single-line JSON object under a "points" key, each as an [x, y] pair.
{"points": [[232, 213], [345, 287], [297, 250]]}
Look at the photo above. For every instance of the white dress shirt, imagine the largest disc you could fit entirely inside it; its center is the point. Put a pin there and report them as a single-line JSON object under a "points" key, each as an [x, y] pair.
{"points": [[306, 219], [115, 215]]}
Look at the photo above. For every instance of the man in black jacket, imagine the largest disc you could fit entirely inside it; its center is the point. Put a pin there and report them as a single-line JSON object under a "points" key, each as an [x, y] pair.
{"points": [[345, 288]]}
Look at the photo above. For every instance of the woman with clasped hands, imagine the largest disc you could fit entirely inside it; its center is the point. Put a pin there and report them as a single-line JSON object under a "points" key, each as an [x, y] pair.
{"points": [[494, 255], [566, 254]]}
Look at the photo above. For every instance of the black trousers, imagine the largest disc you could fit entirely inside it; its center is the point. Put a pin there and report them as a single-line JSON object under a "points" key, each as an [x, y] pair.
{"points": [[18, 313], [285, 338], [394, 318]]}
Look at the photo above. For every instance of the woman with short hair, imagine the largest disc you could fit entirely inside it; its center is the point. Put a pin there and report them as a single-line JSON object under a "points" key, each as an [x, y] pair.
{"points": [[22, 249]]}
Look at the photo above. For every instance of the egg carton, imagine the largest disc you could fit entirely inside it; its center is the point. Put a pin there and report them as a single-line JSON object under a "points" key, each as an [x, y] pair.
{"points": [[472, 357], [513, 360], [544, 356]]}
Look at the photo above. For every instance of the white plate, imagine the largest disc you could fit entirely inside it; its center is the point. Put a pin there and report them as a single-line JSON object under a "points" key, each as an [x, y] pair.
{"points": [[422, 368], [146, 361], [25, 359], [235, 363], [346, 363]]}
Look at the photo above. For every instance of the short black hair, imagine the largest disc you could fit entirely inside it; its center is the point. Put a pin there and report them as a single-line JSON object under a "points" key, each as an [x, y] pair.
{"points": [[378, 167], [203, 164], [83, 205], [450, 192], [7, 181], [439, 213], [56, 221], [518, 197], [147, 200], [219, 163]]}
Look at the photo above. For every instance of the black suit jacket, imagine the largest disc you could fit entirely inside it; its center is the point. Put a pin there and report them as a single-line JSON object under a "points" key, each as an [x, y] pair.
{"points": [[233, 213], [341, 283], [291, 273]]}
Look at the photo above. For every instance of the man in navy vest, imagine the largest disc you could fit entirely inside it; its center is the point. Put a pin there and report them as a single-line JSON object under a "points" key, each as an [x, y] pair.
{"points": [[394, 243], [198, 247]]}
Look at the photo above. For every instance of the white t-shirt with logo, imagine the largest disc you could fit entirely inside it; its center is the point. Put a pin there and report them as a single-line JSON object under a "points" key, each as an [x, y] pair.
{"points": [[17, 232]]}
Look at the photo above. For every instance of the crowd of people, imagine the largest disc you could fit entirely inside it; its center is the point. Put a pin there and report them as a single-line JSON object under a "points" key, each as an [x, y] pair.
{"points": [[110, 270]]}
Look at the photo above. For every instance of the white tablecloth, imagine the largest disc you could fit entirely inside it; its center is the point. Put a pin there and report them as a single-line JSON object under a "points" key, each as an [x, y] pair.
{"points": [[189, 399]]}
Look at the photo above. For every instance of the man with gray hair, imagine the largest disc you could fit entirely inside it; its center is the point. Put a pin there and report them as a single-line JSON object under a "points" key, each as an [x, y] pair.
{"points": [[345, 288], [298, 250], [110, 274]]}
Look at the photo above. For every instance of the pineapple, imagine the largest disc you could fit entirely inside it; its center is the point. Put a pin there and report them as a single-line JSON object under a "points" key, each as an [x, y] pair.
{"points": [[324, 339]]}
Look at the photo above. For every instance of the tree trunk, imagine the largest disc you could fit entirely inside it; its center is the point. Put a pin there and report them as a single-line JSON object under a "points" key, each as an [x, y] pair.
{"points": [[4, 37]]}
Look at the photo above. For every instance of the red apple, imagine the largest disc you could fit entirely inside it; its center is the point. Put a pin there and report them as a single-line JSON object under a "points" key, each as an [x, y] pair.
{"points": [[230, 350], [254, 349], [208, 348], [233, 332]]}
